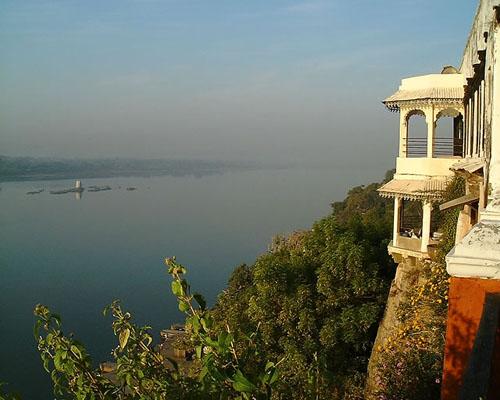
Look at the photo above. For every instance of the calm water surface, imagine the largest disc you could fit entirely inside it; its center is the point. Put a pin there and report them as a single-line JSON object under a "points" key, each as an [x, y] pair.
{"points": [[78, 255]]}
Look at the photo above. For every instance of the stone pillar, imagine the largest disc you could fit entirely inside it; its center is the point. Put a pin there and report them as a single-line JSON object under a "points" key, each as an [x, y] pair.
{"points": [[397, 220], [481, 120], [494, 173], [468, 133], [475, 124], [426, 225], [403, 134], [431, 126], [463, 223]]}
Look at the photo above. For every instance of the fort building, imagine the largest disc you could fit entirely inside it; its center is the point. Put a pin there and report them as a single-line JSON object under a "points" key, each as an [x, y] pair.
{"points": [[469, 97]]}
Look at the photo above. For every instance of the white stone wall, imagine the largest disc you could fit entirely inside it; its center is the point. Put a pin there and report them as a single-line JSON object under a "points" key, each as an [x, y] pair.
{"points": [[477, 255]]}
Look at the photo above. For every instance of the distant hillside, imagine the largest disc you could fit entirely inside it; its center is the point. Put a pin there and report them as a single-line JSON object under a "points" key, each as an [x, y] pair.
{"points": [[28, 168]]}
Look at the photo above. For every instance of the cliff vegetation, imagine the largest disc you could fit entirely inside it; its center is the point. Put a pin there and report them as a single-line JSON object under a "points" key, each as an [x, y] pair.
{"points": [[317, 298]]}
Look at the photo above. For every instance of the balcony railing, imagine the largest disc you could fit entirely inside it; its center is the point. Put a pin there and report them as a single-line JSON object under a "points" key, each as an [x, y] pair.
{"points": [[416, 147], [413, 244], [443, 147], [448, 147]]}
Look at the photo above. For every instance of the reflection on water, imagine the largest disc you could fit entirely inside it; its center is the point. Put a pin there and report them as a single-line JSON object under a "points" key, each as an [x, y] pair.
{"points": [[77, 256]]}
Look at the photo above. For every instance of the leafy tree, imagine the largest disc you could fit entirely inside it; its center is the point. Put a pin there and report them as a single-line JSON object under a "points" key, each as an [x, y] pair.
{"points": [[235, 298], [317, 297]]}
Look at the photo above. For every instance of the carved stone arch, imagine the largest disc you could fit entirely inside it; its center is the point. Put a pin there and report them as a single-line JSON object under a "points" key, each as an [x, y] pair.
{"points": [[452, 112], [449, 138], [416, 111], [416, 133]]}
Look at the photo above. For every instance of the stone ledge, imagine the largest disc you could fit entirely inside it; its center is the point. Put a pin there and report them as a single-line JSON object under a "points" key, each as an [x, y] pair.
{"points": [[477, 255]]}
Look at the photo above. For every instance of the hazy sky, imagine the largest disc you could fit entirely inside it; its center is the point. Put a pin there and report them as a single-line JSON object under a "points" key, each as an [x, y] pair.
{"points": [[258, 80]]}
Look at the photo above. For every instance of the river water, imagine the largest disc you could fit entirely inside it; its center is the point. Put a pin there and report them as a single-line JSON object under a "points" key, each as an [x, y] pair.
{"points": [[77, 255]]}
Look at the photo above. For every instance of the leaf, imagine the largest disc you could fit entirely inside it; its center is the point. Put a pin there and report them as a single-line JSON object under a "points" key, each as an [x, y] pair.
{"points": [[216, 374], [271, 374], [123, 338], [177, 289], [242, 384], [229, 339], [57, 361], [274, 376], [211, 343], [76, 351], [206, 323], [57, 319], [46, 362], [148, 339], [195, 322], [36, 328], [129, 379], [203, 373], [198, 351], [200, 300], [183, 306]]}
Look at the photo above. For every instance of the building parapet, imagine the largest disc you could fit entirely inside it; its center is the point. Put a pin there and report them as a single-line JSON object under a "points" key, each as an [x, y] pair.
{"points": [[424, 168]]}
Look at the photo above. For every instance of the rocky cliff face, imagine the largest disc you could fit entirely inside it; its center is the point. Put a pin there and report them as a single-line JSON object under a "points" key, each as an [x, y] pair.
{"points": [[407, 276]]}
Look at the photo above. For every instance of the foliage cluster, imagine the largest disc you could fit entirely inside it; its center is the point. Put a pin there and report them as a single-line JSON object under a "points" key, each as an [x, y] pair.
{"points": [[317, 298], [4, 395], [142, 372], [410, 363]]}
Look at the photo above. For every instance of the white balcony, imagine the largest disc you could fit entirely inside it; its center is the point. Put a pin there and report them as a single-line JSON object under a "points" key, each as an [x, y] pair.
{"points": [[411, 247], [418, 168]]}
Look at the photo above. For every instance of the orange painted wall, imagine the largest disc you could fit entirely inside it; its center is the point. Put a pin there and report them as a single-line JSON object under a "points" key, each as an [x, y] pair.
{"points": [[465, 304]]}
